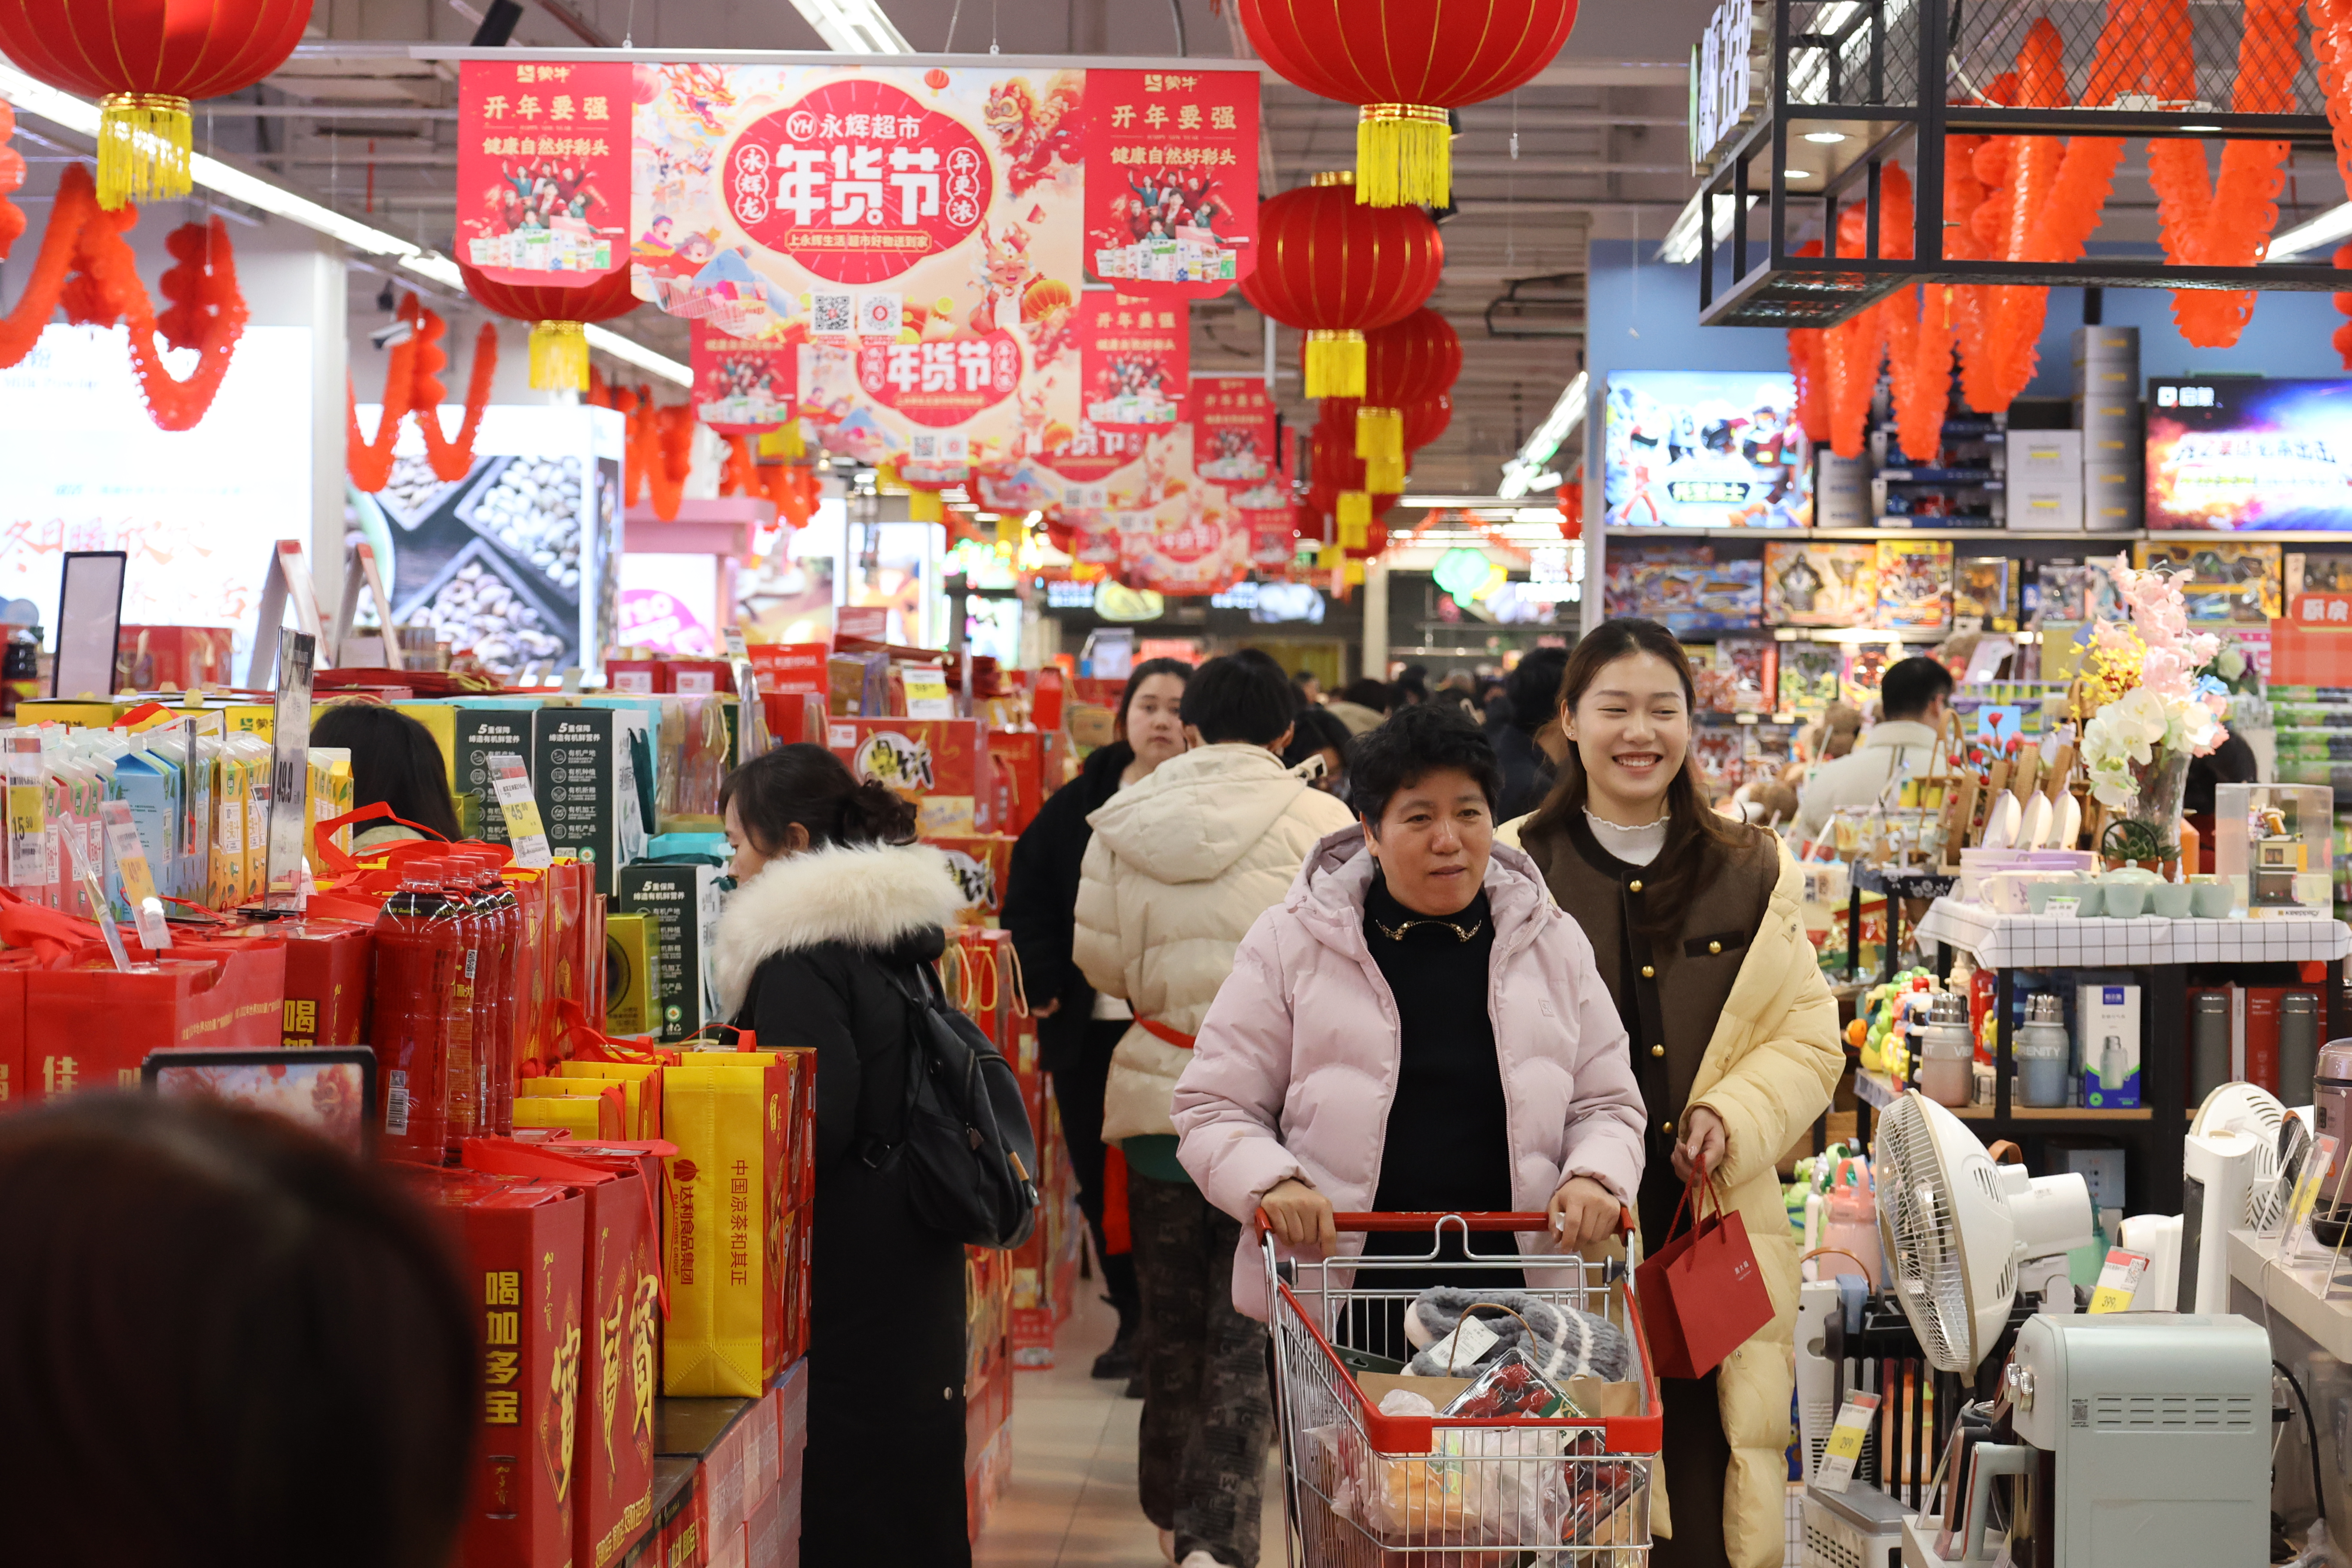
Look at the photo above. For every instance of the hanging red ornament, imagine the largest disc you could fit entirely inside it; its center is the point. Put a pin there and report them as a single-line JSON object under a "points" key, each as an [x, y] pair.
{"points": [[1425, 419], [1336, 271], [143, 61], [1404, 360], [1406, 63], [559, 346]]}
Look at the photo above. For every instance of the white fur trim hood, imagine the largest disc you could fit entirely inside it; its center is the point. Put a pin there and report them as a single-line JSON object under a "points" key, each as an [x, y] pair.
{"points": [[869, 896]]}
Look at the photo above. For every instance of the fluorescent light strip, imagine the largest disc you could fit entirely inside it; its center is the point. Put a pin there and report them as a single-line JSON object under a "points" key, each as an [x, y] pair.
{"points": [[1519, 475], [2328, 228], [852, 27], [38, 98]]}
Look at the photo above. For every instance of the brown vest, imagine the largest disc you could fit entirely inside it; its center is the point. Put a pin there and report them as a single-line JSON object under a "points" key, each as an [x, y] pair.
{"points": [[1670, 994]]}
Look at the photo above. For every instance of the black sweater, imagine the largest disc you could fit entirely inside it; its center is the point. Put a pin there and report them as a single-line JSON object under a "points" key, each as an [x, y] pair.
{"points": [[1041, 899]]}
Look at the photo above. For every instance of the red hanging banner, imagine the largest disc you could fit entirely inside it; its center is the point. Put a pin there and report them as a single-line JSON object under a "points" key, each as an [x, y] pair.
{"points": [[1136, 357], [543, 169], [745, 387], [1172, 180], [1232, 431]]}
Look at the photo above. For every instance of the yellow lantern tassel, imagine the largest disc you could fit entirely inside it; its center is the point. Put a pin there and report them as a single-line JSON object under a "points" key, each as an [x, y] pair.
{"points": [[1353, 573], [1355, 518], [923, 506], [1404, 155], [558, 357], [1330, 557], [1335, 363], [1380, 442], [784, 444], [145, 141]]}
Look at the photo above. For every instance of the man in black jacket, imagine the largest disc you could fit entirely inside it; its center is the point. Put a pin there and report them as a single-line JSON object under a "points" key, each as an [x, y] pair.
{"points": [[1041, 897], [1532, 689]]}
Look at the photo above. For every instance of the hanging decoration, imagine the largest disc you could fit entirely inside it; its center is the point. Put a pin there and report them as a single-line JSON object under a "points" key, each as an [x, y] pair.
{"points": [[412, 384], [1406, 63], [1336, 271], [1851, 349], [88, 267], [143, 61], [2331, 46], [1425, 419], [1811, 376], [1404, 360], [2228, 222], [559, 346], [12, 179]]}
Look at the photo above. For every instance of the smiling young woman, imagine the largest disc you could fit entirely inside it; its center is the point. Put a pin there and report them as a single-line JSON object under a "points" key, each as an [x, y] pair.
{"points": [[1695, 926]]}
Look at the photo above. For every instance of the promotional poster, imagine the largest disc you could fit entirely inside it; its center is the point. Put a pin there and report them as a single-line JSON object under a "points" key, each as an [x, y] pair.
{"points": [[1172, 180], [909, 220], [543, 169], [1706, 449]]}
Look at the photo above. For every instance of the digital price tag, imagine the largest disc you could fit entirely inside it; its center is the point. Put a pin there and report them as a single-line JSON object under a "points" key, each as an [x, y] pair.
{"points": [[2118, 1281], [510, 781], [1843, 1450], [138, 882]]}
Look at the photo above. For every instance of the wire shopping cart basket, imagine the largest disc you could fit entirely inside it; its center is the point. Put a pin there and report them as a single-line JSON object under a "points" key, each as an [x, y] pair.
{"points": [[1361, 1490]]}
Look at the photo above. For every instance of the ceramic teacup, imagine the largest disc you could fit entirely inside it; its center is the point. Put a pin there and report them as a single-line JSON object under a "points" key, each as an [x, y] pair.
{"points": [[2123, 900], [2170, 899], [2209, 898], [2039, 895], [2094, 900]]}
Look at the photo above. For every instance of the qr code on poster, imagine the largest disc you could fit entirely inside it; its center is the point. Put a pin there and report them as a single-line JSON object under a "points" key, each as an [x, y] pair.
{"points": [[832, 315], [924, 449]]}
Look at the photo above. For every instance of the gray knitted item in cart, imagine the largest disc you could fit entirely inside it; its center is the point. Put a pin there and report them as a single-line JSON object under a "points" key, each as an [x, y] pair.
{"points": [[1567, 1343]]}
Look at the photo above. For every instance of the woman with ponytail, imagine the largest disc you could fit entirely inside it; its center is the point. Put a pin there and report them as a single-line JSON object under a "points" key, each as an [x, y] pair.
{"points": [[836, 909], [1696, 926]]}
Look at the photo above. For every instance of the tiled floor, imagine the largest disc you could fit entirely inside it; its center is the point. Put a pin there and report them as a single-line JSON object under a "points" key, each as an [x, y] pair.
{"points": [[1071, 1503]]}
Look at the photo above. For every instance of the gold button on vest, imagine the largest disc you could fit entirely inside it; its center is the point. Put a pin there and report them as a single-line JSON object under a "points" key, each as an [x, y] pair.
{"points": [[1657, 1050], [1648, 972], [1715, 947], [1667, 1128], [1636, 886]]}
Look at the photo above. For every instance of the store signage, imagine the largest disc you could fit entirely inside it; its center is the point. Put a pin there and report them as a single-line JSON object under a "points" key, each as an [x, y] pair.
{"points": [[1171, 180], [2323, 612], [1724, 73], [745, 386], [543, 169]]}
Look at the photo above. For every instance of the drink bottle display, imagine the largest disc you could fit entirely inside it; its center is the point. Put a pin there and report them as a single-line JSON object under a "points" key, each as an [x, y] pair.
{"points": [[463, 1071], [495, 989], [418, 950]]}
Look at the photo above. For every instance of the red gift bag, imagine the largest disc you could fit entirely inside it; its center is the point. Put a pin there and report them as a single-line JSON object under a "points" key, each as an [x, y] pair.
{"points": [[1702, 1294]]}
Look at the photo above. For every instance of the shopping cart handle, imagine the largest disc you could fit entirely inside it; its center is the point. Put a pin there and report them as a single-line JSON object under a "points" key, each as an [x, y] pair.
{"points": [[1367, 1221]]}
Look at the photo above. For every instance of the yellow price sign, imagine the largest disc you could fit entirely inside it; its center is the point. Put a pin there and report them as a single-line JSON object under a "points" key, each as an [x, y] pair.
{"points": [[2119, 1279]]}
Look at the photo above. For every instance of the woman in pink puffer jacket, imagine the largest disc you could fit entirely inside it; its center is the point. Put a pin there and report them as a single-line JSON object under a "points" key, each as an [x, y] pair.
{"points": [[1292, 1097]]}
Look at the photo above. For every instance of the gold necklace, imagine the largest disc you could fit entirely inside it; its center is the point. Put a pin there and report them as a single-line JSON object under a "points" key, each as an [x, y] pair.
{"points": [[1396, 932]]}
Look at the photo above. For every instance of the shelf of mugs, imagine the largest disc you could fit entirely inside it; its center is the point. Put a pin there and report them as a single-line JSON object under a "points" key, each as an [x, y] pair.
{"points": [[2060, 942]]}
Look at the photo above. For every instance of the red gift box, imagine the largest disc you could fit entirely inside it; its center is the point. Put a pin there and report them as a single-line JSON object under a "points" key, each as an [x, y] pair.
{"points": [[327, 963], [697, 677], [14, 968], [980, 866], [148, 659], [619, 1375], [524, 1252], [636, 677], [790, 669], [686, 1533], [90, 1026], [922, 759], [795, 717]]}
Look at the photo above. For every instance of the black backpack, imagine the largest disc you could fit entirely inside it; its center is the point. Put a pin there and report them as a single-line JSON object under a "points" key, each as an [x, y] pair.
{"points": [[970, 1154]]}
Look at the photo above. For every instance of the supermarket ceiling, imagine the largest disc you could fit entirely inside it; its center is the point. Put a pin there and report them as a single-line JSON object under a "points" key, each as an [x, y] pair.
{"points": [[355, 123]]}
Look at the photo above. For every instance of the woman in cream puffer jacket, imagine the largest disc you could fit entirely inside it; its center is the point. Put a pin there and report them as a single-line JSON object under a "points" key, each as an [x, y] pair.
{"points": [[1180, 866]]}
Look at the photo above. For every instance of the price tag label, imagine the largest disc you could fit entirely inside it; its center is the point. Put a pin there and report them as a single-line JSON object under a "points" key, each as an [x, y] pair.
{"points": [[2066, 907], [735, 648], [1843, 1450], [130, 855], [927, 692], [2118, 1281], [28, 814], [511, 783]]}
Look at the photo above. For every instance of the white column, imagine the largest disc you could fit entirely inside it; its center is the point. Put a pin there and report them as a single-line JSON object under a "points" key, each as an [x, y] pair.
{"points": [[330, 312], [1375, 664]]}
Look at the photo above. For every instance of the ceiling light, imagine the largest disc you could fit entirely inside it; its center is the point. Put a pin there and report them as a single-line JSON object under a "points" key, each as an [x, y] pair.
{"points": [[1680, 247], [77, 114], [1800, 173], [2201, 128], [2328, 228], [852, 27], [1524, 472], [1826, 138]]}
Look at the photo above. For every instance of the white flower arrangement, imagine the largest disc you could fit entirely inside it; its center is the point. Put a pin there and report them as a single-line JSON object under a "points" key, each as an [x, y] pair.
{"points": [[2156, 705]]}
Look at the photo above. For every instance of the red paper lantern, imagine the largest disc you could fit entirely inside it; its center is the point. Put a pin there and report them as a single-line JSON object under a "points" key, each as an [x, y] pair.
{"points": [[143, 61], [1403, 361], [1406, 63], [1425, 419], [558, 349], [1336, 271]]}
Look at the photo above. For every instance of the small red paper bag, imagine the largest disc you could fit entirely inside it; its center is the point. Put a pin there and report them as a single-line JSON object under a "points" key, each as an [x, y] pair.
{"points": [[1702, 1294]]}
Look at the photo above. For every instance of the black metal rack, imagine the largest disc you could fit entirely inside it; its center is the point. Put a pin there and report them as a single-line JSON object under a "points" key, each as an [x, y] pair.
{"points": [[1882, 79]]}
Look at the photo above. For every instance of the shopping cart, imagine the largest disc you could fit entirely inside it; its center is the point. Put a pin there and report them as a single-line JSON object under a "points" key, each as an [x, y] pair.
{"points": [[1361, 1490]]}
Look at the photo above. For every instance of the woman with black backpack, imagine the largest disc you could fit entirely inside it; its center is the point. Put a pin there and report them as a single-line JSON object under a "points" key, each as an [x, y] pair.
{"points": [[835, 915]]}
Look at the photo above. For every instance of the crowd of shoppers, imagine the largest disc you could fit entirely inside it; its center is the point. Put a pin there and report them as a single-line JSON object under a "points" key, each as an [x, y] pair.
{"points": [[1452, 948]]}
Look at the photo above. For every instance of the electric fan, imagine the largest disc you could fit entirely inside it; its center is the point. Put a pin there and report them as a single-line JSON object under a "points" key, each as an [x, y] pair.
{"points": [[2256, 1113], [1958, 1228]]}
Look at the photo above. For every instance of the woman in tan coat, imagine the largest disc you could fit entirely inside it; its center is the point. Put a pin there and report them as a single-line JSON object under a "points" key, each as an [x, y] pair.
{"points": [[1695, 926]]}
